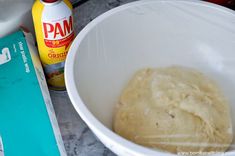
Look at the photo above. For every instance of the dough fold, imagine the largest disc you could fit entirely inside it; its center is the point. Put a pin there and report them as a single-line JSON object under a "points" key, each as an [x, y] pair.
{"points": [[175, 109]]}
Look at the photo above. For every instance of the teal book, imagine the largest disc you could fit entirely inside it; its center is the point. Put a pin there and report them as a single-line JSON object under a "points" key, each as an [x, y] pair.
{"points": [[28, 126]]}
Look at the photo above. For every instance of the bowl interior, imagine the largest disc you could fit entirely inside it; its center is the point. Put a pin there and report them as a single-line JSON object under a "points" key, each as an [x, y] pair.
{"points": [[153, 34]]}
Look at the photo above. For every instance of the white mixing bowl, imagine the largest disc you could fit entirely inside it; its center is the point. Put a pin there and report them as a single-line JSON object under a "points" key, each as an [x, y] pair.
{"points": [[110, 49]]}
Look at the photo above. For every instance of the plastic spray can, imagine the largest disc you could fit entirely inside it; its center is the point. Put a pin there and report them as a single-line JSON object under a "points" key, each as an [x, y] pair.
{"points": [[53, 23]]}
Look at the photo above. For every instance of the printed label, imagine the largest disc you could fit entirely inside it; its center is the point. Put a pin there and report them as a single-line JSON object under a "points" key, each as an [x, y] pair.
{"points": [[5, 56], [59, 33]]}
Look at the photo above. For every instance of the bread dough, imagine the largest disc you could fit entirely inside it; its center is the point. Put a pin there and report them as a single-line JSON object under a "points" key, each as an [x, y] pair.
{"points": [[176, 109]]}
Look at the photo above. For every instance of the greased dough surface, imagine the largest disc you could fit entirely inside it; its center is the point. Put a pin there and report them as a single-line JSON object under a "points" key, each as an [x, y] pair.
{"points": [[176, 109]]}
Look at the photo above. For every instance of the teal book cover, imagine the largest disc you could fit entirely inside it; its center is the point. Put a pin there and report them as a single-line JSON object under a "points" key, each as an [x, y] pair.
{"points": [[26, 127]]}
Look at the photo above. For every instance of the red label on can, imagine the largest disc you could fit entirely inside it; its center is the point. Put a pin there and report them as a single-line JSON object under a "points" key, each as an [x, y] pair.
{"points": [[58, 34]]}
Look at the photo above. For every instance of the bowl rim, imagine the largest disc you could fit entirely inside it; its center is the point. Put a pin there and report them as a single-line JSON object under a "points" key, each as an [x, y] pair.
{"points": [[93, 123]]}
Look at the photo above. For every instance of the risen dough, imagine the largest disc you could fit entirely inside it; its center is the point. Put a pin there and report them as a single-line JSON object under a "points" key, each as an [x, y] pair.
{"points": [[174, 109]]}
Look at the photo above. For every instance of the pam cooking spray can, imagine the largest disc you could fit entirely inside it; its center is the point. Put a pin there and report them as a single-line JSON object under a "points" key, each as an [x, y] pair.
{"points": [[53, 23]]}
